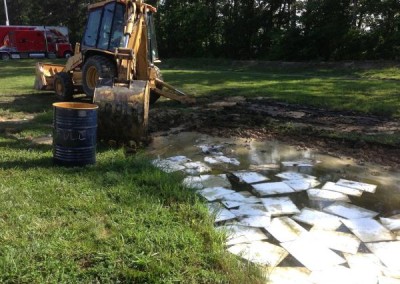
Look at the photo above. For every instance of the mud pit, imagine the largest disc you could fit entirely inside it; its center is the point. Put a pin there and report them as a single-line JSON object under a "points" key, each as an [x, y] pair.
{"points": [[301, 126]]}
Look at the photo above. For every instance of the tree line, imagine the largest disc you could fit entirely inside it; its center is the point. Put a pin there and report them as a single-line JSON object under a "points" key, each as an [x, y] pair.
{"points": [[249, 29]]}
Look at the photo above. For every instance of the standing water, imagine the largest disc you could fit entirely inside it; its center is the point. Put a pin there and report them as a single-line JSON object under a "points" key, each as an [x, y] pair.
{"points": [[252, 153]]}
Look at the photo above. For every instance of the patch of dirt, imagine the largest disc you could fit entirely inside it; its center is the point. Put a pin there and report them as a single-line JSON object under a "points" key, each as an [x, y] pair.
{"points": [[298, 125], [10, 119]]}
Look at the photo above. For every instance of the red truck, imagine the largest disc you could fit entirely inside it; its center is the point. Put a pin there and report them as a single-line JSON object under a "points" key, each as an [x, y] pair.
{"points": [[34, 42]]}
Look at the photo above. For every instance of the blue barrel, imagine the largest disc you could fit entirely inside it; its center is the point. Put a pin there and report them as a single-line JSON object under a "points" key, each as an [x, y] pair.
{"points": [[74, 134]]}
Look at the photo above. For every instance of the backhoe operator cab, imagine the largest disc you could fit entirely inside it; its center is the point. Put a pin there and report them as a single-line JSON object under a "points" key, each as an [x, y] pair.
{"points": [[105, 29]]}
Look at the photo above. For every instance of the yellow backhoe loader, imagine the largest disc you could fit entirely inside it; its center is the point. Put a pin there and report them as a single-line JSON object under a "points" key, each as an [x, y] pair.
{"points": [[114, 65]]}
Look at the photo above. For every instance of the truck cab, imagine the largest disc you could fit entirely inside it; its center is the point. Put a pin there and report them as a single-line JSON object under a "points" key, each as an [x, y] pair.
{"points": [[34, 41]]}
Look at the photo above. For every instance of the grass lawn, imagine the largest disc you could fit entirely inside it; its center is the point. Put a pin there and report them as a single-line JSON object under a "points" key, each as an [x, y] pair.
{"points": [[370, 90], [122, 220], [119, 221]]}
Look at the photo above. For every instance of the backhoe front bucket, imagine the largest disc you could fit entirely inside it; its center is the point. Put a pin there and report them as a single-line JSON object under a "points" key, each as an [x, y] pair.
{"points": [[45, 75], [123, 112]]}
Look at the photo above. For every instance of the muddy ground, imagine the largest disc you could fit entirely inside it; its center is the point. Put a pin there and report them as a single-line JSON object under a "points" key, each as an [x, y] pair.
{"points": [[337, 133], [340, 134]]}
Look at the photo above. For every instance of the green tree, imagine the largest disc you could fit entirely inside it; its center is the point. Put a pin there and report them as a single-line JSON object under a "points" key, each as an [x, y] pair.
{"points": [[184, 28], [241, 29]]}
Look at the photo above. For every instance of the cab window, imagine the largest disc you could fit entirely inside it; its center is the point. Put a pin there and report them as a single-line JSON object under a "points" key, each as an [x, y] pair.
{"points": [[92, 28]]}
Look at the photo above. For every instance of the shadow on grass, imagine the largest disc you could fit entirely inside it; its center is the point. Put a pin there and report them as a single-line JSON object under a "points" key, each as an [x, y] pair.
{"points": [[30, 103], [43, 163], [36, 102], [33, 155], [22, 156], [23, 67], [25, 154], [349, 68], [19, 152]]}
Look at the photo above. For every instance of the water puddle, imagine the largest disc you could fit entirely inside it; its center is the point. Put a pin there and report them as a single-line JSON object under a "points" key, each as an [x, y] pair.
{"points": [[291, 209], [272, 159]]}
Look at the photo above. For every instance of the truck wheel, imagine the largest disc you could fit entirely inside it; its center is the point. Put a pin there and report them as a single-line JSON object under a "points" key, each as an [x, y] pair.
{"points": [[153, 95], [5, 56], [67, 54], [63, 86], [94, 68]]}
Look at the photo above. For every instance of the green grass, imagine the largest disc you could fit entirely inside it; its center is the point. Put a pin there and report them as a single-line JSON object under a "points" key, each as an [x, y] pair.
{"points": [[370, 91], [391, 73], [118, 221], [18, 99], [122, 220], [17, 76]]}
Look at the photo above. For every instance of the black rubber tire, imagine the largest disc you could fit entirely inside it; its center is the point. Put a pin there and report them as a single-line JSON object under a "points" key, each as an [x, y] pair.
{"points": [[63, 86], [94, 68], [153, 95], [67, 54], [5, 56]]}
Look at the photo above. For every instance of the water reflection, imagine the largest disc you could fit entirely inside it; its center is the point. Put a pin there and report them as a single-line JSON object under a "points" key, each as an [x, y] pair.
{"points": [[253, 153]]}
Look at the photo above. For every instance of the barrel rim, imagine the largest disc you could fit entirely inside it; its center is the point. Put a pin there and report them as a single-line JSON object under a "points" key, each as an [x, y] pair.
{"points": [[75, 106]]}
